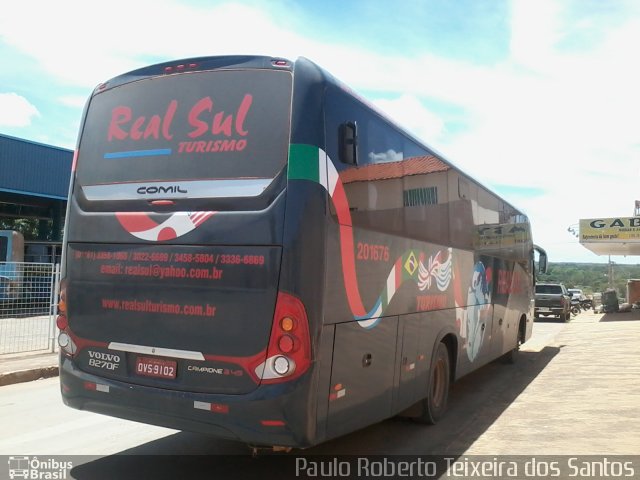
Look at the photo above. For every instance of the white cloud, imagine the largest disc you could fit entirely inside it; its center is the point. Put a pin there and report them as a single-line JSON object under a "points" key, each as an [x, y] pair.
{"points": [[409, 111], [16, 111], [388, 156], [74, 101], [94, 45], [535, 31]]}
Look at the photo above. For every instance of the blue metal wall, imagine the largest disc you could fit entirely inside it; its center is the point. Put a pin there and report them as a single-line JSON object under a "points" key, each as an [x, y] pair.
{"points": [[31, 168]]}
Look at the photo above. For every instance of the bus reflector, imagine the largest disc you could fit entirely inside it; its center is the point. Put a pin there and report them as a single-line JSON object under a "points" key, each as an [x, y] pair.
{"points": [[337, 394], [272, 423], [211, 407], [96, 386]]}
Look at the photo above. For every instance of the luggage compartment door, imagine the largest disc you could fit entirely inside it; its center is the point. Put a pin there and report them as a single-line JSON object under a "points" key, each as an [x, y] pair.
{"points": [[362, 377]]}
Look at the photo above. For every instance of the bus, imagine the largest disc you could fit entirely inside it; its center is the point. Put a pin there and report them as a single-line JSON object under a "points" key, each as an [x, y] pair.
{"points": [[253, 251]]}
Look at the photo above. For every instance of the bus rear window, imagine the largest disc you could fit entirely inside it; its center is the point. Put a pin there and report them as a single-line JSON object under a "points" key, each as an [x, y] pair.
{"points": [[217, 133]]}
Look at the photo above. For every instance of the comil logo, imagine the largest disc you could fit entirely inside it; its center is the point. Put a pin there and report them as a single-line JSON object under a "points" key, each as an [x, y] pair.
{"points": [[153, 189], [38, 469]]}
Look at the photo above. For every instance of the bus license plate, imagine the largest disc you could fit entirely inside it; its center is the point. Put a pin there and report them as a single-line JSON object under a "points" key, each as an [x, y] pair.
{"points": [[155, 367]]}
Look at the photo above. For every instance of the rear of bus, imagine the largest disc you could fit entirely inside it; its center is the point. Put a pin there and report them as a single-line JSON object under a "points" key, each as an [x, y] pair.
{"points": [[174, 310]]}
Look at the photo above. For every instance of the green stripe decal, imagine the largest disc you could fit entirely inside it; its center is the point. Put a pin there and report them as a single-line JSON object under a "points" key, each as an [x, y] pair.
{"points": [[303, 162]]}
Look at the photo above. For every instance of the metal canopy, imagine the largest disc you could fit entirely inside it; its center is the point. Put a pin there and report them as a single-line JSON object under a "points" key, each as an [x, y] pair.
{"points": [[611, 236], [613, 248]]}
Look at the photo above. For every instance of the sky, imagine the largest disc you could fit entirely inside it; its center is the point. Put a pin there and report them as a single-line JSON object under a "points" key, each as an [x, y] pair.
{"points": [[536, 99]]}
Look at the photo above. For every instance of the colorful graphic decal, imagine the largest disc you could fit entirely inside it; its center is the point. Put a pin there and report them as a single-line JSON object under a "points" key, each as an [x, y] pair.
{"points": [[140, 224], [473, 319], [307, 162]]}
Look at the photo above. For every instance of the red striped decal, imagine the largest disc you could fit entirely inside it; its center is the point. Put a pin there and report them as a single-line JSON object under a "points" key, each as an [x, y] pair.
{"points": [[349, 271], [398, 270], [135, 221], [199, 217], [341, 203]]}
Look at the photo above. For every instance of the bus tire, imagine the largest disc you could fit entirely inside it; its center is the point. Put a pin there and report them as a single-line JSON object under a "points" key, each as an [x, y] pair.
{"points": [[511, 356], [435, 405]]}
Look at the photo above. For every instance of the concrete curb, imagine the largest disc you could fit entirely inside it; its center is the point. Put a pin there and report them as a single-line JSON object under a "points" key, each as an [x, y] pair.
{"points": [[28, 375]]}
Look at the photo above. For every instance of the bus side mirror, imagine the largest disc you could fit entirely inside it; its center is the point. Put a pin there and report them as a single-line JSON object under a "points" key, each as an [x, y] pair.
{"points": [[542, 259], [348, 138]]}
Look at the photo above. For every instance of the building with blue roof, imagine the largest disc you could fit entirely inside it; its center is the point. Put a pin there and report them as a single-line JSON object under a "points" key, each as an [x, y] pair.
{"points": [[34, 182]]}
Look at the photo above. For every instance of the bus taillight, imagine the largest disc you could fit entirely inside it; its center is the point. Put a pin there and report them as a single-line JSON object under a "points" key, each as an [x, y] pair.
{"points": [[61, 321], [65, 341], [180, 68], [289, 351]]}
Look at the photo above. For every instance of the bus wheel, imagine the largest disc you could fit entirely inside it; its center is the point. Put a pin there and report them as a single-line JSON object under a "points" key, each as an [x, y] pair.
{"points": [[511, 356], [435, 405]]}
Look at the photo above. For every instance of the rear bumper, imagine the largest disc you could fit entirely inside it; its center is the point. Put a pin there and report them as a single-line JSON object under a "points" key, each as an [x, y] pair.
{"points": [[551, 311], [270, 415]]}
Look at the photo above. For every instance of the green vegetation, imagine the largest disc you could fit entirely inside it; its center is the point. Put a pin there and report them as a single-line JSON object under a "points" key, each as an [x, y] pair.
{"points": [[591, 277], [31, 228]]}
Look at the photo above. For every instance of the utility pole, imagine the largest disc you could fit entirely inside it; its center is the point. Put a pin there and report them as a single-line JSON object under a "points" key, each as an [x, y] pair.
{"points": [[610, 275]]}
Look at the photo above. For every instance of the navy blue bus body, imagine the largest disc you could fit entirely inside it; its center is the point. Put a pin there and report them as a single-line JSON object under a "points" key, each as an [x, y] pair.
{"points": [[229, 269]]}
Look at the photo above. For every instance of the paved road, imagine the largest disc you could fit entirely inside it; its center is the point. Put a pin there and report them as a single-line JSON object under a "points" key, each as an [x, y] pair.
{"points": [[575, 390]]}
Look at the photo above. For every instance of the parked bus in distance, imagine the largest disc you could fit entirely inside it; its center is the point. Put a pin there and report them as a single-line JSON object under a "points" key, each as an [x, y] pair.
{"points": [[254, 252]]}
